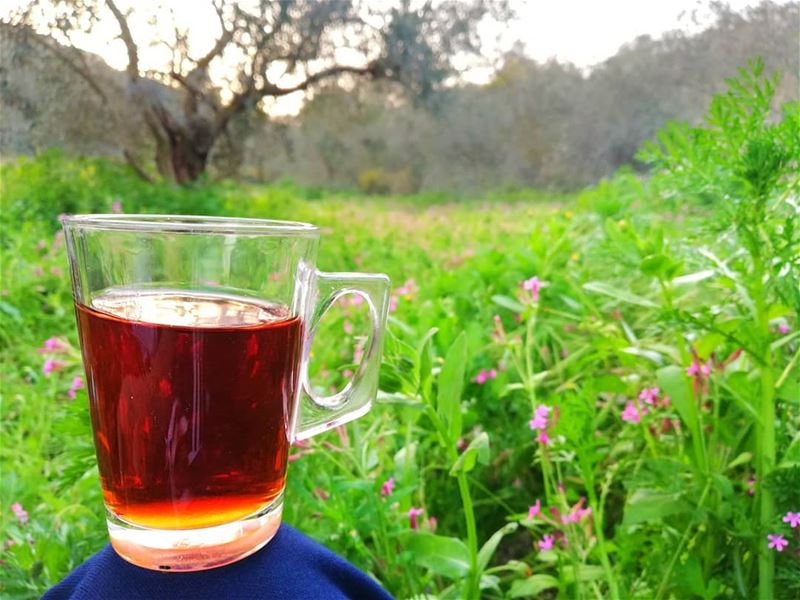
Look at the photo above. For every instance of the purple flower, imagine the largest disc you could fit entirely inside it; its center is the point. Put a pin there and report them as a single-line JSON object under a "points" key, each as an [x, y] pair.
{"points": [[539, 420], [777, 541], [783, 328], [485, 375], [77, 384], [413, 513], [534, 510], [54, 345], [631, 413], [697, 370], [388, 487], [543, 438], [533, 285], [546, 543], [649, 395], [793, 519], [19, 512], [51, 366]]}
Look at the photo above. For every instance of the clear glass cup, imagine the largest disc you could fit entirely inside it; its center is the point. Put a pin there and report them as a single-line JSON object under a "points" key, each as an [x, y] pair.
{"points": [[195, 334]]}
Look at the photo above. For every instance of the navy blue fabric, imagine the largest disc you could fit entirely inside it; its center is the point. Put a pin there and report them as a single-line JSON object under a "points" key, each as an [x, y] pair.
{"points": [[292, 566]]}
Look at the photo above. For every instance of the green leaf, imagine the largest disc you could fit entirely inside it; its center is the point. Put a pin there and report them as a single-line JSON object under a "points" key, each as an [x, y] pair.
{"points": [[653, 264], [445, 556], [533, 585], [606, 289], [424, 364], [646, 505], [487, 550], [451, 384], [405, 463], [11, 311], [477, 451], [744, 457], [509, 303]]}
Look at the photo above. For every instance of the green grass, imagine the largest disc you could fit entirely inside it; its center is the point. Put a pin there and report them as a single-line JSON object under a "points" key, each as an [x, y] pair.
{"points": [[697, 263]]}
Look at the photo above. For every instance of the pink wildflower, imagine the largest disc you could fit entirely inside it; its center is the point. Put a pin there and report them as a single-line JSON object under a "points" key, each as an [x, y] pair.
{"points": [[19, 512], [56, 271], [534, 510], [631, 413], [38, 271], [697, 370], [432, 523], [53, 345], [532, 285], [485, 375], [348, 327], [793, 519], [409, 288], [51, 366], [347, 373], [543, 438], [777, 541], [413, 513], [116, 207], [751, 486], [356, 299], [539, 420], [388, 487], [783, 328], [393, 301], [546, 543], [649, 395], [77, 384]]}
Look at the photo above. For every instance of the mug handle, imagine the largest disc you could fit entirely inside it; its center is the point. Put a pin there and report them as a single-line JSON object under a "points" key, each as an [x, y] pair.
{"points": [[321, 413]]}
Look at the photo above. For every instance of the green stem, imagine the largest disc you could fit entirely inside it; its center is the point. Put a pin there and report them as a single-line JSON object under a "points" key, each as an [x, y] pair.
{"points": [[765, 439], [473, 581], [601, 541], [665, 580]]}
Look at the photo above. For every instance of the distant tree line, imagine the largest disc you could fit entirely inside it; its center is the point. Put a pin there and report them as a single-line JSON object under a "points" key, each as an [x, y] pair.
{"points": [[537, 124]]}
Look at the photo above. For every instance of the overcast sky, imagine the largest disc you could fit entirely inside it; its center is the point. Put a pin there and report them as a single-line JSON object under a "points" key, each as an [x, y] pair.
{"points": [[584, 32]]}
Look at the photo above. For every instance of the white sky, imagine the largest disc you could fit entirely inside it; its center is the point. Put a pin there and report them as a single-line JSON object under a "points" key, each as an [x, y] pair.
{"points": [[584, 32]]}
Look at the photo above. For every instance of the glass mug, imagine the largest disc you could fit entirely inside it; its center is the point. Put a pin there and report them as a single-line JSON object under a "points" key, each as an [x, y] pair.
{"points": [[195, 334]]}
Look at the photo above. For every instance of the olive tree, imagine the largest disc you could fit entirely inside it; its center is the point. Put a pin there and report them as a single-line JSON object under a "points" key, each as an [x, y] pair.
{"points": [[260, 44]]}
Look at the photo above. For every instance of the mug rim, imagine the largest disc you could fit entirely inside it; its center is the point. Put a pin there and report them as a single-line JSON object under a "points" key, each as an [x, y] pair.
{"points": [[192, 224]]}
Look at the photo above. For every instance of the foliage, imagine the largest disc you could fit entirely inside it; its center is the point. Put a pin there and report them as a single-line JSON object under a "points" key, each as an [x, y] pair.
{"points": [[585, 400]]}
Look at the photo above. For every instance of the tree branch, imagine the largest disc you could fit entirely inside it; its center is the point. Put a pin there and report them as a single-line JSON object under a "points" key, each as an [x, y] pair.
{"points": [[224, 40], [240, 100], [127, 38], [134, 164], [269, 89]]}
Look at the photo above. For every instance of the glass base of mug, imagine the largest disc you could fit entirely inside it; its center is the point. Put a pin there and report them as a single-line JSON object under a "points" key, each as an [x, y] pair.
{"points": [[182, 550]]}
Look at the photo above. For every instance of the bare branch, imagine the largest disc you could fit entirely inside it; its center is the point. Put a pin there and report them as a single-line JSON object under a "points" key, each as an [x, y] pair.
{"points": [[272, 90], [199, 94], [222, 42], [134, 164], [127, 38]]}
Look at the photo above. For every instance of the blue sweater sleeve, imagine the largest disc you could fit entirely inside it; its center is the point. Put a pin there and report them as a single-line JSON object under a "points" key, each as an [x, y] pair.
{"points": [[292, 566]]}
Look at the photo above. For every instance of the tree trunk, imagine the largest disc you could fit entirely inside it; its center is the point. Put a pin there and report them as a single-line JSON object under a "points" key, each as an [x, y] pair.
{"points": [[184, 156]]}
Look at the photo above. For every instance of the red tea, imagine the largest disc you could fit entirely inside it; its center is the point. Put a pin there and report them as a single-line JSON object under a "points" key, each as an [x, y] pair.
{"points": [[191, 398]]}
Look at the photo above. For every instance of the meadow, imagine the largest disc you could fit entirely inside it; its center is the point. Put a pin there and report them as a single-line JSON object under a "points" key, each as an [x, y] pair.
{"points": [[593, 395]]}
